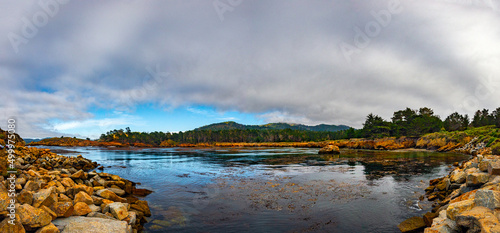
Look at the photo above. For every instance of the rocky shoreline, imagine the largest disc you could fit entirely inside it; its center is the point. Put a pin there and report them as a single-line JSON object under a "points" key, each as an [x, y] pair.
{"points": [[466, 200], [56, 193]]}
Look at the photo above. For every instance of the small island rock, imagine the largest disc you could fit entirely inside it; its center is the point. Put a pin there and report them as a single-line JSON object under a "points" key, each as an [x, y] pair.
{"points": [[330, 149]]}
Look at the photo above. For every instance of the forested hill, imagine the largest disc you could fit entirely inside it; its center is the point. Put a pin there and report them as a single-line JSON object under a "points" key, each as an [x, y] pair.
{"points": [[230, 125], [407, 122]]}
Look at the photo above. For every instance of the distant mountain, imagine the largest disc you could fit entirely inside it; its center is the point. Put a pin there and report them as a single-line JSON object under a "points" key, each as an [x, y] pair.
{"points": [[233, 125], [28, 140]]}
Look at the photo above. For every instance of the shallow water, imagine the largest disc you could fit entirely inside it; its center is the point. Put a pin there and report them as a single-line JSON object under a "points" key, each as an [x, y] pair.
{"points": [[275, 189]]}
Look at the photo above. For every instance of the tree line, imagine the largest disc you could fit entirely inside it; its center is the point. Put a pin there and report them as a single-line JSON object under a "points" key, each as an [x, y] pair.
{"points": [[415, 123], [231, 135], [408, 122]]}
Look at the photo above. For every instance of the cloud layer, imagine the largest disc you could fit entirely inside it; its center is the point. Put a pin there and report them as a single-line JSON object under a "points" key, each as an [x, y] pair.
{"points": [[279, 60]]}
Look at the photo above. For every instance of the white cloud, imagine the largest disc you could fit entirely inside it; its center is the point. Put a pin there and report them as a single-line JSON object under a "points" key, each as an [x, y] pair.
{"points": [[107, 122], [199, 111], [279, 60], [93, 128]]}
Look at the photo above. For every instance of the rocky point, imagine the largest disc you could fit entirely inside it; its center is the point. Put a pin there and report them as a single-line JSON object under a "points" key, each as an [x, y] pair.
{"points": [[56, 193]]}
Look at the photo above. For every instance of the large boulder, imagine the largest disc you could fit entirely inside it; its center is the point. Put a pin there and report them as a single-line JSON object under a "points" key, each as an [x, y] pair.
{"points": [[412, 224], [117, 191], [100, 215], [81, 208], [483, 165], [440, 228], [458, 176], [84, 197], [487, 198], [79, 175], [119, 210], [78, 224], [477, 179], [442, 224], [97, 200], [132, 218], [25, 197], [32, 186], [104, 205], [63, 209], [458, 207], [330, 149], [32, 217], [104, 193], [49, 211], [67, 182], [478, 219], [494, 168], [51, 228], [45, 197], [95, 208], [5, 226], [81, 187], [4, 200]]}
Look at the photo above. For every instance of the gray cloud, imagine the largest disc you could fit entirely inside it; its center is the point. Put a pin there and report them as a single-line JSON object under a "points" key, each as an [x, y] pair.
{"points": [[279, 60]]}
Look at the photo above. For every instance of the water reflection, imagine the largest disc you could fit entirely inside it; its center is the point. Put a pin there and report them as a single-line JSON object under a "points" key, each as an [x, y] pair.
{"points": [[276, 189]]}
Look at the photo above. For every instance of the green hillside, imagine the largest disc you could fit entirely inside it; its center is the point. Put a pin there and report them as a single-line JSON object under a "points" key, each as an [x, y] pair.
{"points": [[233, 125]]}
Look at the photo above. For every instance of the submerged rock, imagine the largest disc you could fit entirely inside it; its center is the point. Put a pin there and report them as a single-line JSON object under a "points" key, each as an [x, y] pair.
{"points": [[412, 224], [428, 217], [142, 206]]}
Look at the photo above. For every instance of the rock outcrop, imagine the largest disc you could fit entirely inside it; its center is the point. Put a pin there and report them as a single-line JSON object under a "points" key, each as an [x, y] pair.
{"points": [[412, 224], [330, 149]]}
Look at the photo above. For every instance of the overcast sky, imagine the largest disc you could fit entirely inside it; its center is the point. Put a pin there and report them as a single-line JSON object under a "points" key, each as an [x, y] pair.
{"points": [[84, 67]]}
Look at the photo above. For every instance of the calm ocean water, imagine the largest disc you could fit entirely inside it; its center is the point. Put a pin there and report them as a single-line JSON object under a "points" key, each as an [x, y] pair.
{"points": [[275, 189]]}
